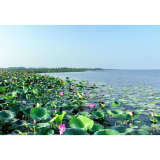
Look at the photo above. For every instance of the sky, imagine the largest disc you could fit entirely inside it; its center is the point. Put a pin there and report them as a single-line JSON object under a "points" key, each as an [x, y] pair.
{"points": [[77, 46]]}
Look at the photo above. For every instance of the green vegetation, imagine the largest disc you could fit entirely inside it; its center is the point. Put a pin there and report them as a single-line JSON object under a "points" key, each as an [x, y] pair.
{"points": [[34, 104], [37, 70]]}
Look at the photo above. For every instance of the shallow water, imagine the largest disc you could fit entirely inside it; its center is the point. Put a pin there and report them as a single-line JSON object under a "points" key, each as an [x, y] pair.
{"points": [[120, 78]]}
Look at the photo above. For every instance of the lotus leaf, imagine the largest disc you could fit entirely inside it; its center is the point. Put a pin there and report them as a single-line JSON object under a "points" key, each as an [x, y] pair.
{"points": [[58, 118], [81, 122], [7, 115], [3, 89], [45, 131], [86, 114], [106, 132], [120, 129], [39, 113], [116, 103], [14, 109], [7, 97], [19, 124], [116, 112], [75, 131], [139, 123], [142, 132], [42, 125], [99, 114], [96, 127]]}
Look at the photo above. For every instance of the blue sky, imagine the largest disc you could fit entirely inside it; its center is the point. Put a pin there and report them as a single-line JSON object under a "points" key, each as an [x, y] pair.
{"points": [[104, 46]]}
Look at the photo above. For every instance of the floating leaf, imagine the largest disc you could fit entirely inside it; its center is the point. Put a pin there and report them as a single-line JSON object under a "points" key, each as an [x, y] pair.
{"points": [[106, 132], [75, 131], [7, 115], [81, 122], [39, 113]]}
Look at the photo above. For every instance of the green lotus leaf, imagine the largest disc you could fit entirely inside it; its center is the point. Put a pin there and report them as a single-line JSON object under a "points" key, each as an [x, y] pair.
{"points": [[96, 127], [3, 89], [58, 118], [136, 113], [146, 128], [99, 114], [46, 131], [7, 115], [129, 117], [19, 124], [24, 133], [42, 125], [49, 105], [86, 114], [120, 129], [133, 126], [116, 112], [14, 109], [139, 123], [7, 97], [39, 113], [157, 117], [16, 102], [106, 132], [75, 131], [116, 103], [81, 122], [129, 134], [20, 91], [153, 120], [69, 117], [35, 91], [142, 132]]}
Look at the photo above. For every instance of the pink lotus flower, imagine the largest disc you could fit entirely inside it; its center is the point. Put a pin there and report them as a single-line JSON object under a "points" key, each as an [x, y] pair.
{"points": [[102, 100], [61, 93], [91, 105], [62, 129], [131, 112], [38, 81], [104, 93], [24, 102], [62, 80], [10, 79], [88, 92], [75, 93], [92, 83], [72, 87], [68, 84], [34, 121], [46, 87], [82, 93], [41, 82], [152, 114], [31, 82]]}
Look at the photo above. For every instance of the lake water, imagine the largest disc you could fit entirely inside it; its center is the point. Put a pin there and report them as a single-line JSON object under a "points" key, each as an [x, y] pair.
{"points": [[120, 78], [137, 99]]}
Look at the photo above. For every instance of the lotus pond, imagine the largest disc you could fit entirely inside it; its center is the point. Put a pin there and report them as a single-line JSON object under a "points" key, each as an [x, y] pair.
{"points": [[34, 104]]}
